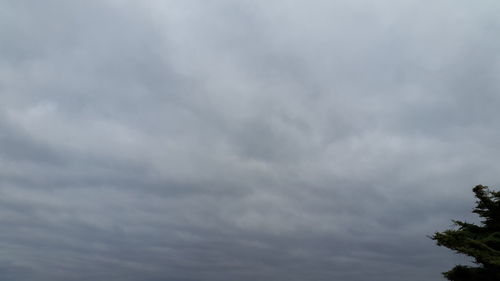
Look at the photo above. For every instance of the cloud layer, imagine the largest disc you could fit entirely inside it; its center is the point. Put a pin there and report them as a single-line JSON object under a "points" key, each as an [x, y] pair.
{"points": [[242, 140]]}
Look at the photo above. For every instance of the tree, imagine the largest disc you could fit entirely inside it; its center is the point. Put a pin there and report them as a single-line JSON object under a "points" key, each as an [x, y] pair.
{"points": [[481, 242]]}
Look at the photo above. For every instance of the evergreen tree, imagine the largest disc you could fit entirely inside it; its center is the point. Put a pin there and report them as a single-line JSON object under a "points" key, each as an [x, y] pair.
{"points": [[481, 242]]}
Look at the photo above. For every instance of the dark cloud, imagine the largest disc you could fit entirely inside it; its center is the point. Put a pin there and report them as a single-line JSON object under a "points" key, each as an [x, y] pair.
{"points": [[248, 140]]}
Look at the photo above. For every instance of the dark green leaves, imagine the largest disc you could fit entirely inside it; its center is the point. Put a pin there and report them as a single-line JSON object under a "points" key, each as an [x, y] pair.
{"points": [[481, 242]]}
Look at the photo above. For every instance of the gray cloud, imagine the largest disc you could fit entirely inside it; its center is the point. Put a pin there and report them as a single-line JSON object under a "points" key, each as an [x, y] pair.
{"points": [[242, 140]]}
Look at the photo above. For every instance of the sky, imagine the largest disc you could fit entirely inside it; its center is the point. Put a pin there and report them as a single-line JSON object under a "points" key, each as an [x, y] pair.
{"points": [[263, 140]]}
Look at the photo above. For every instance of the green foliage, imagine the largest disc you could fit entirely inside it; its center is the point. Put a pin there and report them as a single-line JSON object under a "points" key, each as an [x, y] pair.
{"points": [[481, 242]]}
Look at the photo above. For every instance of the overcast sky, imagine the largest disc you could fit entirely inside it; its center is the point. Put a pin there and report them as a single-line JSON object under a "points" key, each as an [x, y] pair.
{"points": [[242, 140]]}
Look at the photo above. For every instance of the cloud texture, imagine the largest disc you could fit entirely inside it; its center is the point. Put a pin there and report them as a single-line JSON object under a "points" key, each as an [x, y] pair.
{"points": [[242, 140]]}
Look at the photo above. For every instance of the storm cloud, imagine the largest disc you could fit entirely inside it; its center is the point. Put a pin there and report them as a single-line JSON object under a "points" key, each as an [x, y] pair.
{"points": [[242, 140]]}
